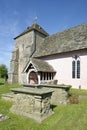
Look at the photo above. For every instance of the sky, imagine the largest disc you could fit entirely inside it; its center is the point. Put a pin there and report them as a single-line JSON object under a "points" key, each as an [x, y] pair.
{"points": [[53, 15]]}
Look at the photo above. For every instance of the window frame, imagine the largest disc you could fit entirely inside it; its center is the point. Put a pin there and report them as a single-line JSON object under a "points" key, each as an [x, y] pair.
{"points": [[76, 63]]}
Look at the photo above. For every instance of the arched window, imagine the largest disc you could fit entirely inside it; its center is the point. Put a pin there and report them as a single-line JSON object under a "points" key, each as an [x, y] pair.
{"points": [[76, 67], [73, 69]]}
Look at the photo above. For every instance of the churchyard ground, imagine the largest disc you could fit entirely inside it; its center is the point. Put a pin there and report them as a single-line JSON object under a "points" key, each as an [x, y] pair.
{"points": [[68, 117]]}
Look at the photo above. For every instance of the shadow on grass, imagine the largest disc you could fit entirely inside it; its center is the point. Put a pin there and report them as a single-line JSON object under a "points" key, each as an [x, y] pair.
{"points": [[53, 106], [1, 83]]}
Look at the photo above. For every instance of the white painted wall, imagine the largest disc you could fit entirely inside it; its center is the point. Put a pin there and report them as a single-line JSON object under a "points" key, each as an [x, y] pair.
{"points": [[63, 65]]}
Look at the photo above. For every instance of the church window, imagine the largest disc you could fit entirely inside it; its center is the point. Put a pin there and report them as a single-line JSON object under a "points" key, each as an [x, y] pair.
{"points": [[76, 67], [41, 76], [50, 76], [46, 76], [73, 69]]}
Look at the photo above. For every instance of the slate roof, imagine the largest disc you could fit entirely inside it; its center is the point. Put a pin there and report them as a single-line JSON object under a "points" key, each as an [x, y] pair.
{"points": [[40, 65], [36, 27], [69, 40]]}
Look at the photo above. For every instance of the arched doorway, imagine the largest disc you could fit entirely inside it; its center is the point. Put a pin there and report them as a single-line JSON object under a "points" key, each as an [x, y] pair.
{"points": [[33, 79]]}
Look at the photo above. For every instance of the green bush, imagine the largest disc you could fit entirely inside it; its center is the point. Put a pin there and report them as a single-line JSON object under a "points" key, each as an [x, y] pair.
{"points": [[74, 99], [3, 72]]}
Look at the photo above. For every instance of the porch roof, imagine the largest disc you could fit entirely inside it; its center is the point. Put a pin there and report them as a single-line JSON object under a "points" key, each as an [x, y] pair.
{"points": [[39, 65]]}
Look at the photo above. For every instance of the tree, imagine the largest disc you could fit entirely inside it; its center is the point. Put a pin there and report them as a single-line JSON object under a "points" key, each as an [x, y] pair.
{"points": [[3, 71]]}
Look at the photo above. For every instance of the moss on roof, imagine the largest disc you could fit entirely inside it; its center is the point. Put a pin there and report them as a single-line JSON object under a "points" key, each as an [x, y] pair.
{"points": [[66, 41]]}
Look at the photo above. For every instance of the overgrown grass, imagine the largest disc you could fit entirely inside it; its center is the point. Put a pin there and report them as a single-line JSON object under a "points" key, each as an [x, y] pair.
{"points": [[69, 117]]}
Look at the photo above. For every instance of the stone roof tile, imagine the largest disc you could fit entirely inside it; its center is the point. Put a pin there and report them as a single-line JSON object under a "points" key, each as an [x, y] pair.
{"points": [[36, 27], [69, 40], [40, 65]]}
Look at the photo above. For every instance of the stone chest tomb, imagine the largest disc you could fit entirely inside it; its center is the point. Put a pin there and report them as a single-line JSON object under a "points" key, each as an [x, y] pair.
{"points": [[35, 100], [32, 102]]}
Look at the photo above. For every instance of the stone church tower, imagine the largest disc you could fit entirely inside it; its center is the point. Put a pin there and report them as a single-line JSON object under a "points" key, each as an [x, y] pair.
{"points": [[25, 45]]}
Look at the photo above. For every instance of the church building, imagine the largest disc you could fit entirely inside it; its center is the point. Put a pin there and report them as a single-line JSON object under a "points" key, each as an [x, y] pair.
{"points": [[40, 58]]}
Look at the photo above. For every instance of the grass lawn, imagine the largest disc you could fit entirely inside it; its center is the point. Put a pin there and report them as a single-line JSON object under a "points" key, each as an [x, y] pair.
{"points": [[78, 92], [70, 117], [2, 81]]}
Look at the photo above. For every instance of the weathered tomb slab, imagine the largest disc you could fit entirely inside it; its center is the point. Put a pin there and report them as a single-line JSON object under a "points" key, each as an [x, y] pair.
{"points": [[60, 92], [32, 102]]}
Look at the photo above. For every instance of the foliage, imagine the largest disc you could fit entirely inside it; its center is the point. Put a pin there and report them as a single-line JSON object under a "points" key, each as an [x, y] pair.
{"points": [[70, 117], [3, 71], [74, 99]]}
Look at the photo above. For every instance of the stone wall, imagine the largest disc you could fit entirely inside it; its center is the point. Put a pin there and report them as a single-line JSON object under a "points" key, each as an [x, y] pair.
{"points": [[25, 45], [13, 74]]}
